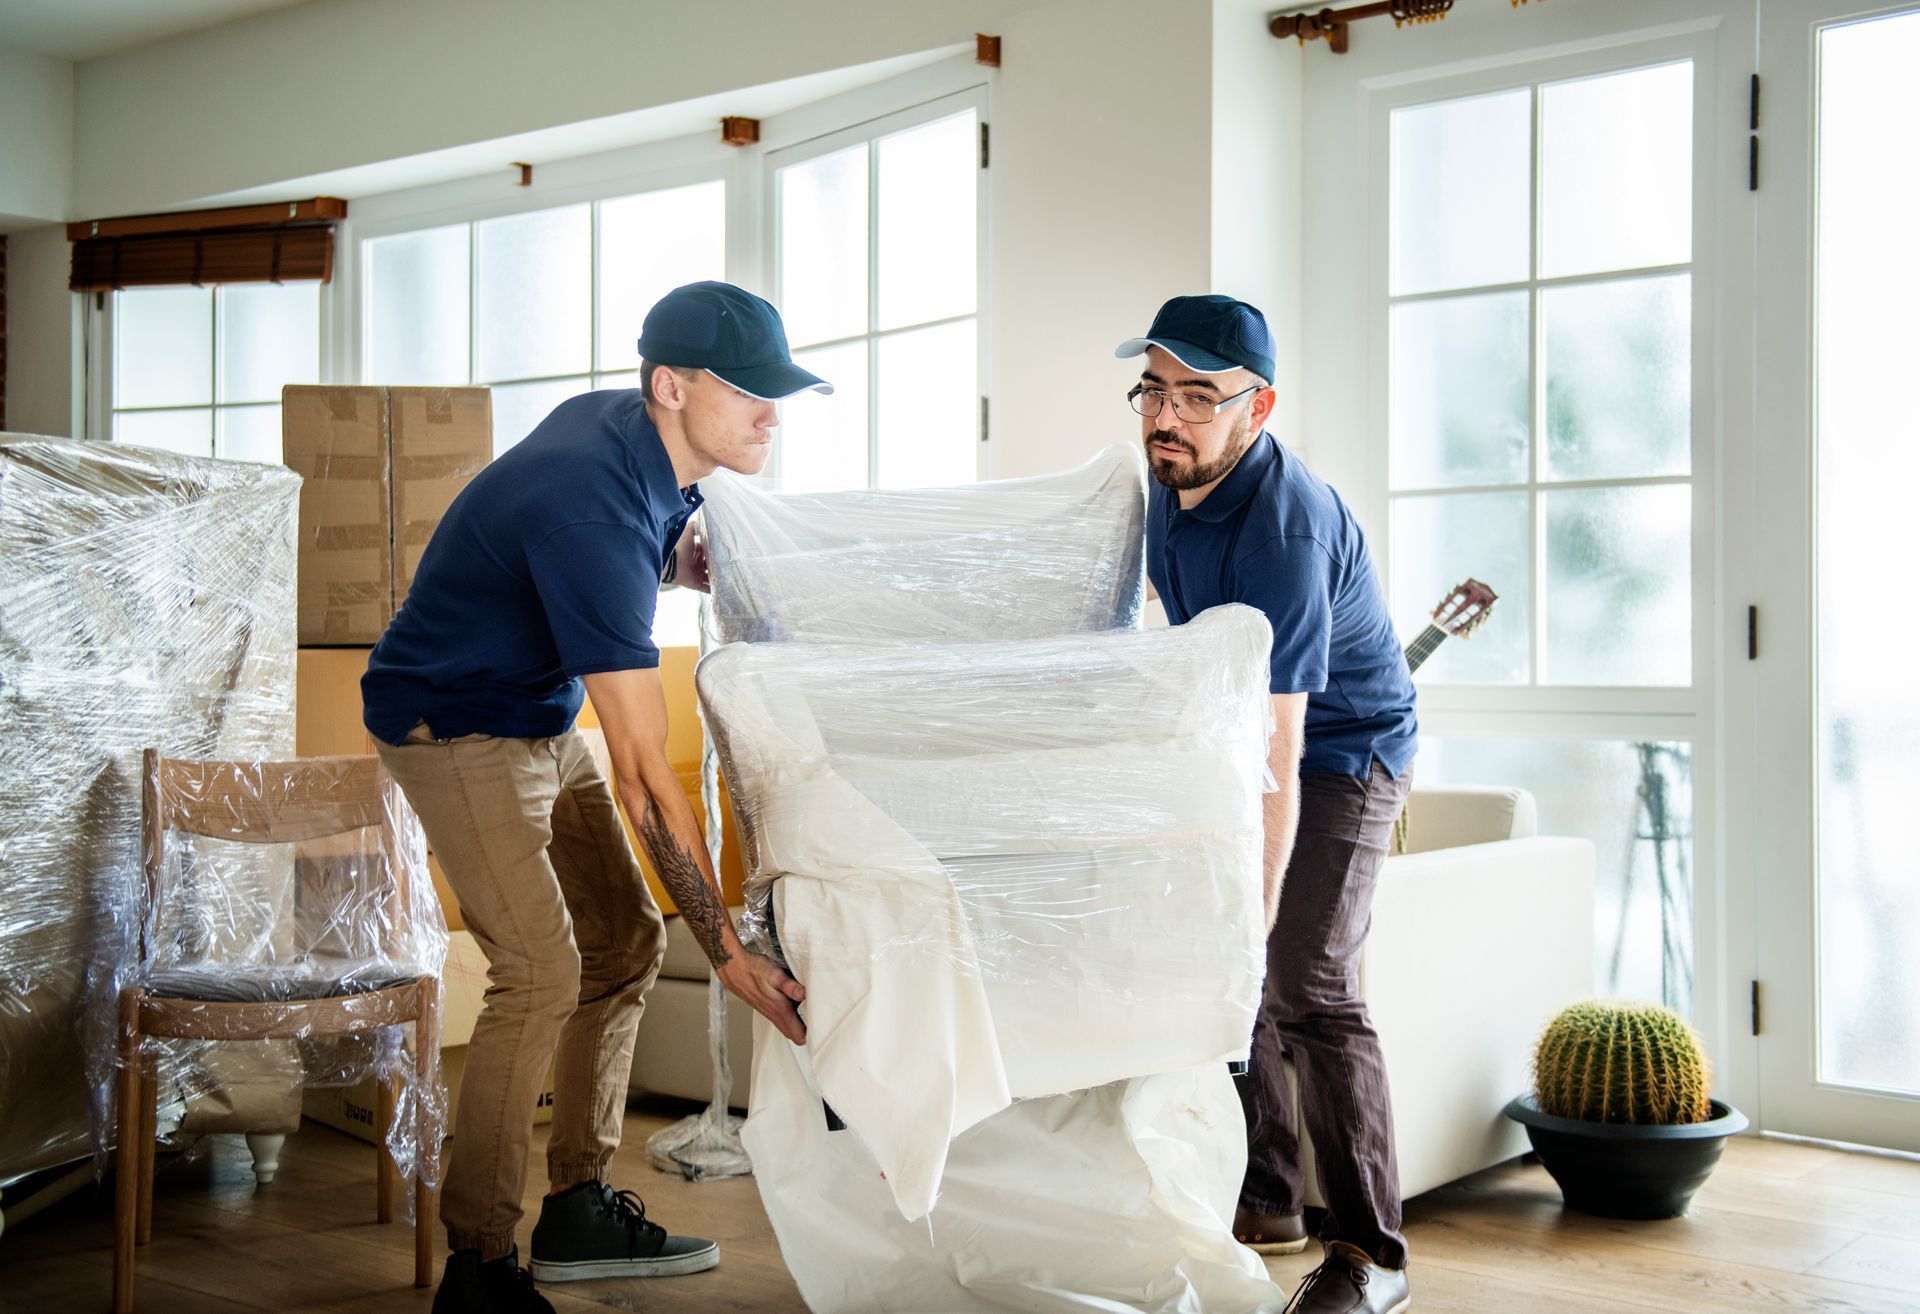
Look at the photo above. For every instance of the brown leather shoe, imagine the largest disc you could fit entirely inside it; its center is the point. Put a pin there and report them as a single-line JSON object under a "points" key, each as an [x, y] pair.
{"points": [[1269, 1234], [1349, 1282]]}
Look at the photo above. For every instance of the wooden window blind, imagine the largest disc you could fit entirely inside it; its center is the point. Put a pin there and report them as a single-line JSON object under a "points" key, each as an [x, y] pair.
{"points": [[289, 242]]}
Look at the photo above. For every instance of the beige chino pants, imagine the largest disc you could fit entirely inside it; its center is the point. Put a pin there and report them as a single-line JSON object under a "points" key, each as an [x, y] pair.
{"points": [[529, 838]]}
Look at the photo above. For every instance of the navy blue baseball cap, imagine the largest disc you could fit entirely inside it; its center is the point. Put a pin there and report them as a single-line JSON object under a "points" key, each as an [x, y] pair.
{"points": [[730, 333], [1211, 334]]}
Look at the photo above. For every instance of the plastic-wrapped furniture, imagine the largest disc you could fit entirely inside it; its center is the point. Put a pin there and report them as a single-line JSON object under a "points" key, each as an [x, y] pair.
{"points": [[146, 599], [1020, 881], [1010, 559], [366, 956]]}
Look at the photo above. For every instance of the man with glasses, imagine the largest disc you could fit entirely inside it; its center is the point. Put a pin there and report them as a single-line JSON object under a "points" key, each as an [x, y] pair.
{"points": [[542, 578], [1235, 517]]}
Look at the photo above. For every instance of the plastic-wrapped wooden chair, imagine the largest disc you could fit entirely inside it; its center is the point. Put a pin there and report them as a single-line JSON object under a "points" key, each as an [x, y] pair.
{"points": [[261, 803]]}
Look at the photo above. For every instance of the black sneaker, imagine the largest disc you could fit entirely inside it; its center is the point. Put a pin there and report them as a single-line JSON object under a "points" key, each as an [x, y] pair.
{"points": [[594, 1231], [499, 1286]]}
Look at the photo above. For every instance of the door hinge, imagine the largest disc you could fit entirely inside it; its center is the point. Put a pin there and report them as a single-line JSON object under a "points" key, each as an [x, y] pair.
{"points": [[1754, 1002], [1753, 163], [1753, 106], [1753, 633], [983, 145], [1753, 137], [983, 419]]}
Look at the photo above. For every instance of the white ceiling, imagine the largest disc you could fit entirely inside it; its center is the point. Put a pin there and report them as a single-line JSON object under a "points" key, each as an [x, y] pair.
{"points": [[86, 29]]}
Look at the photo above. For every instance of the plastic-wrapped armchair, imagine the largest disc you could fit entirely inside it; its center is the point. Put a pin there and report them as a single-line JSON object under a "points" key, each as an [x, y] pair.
{"points": [[370, 958]]}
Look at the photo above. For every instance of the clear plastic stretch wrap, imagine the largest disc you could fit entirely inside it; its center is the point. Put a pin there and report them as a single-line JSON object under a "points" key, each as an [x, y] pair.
{"points": [[1012, 559], [147, 603], [1011, 845], [1003, 870], [349, 953]]}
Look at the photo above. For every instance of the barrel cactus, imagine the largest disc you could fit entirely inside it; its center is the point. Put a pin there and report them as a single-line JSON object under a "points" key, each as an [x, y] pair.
{"points": [[1621, 1063]]}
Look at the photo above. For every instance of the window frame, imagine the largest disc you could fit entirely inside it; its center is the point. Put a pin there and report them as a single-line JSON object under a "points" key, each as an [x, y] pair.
{"points": [[97, 335], [1690, 714], [1680, 702], [869, 131], [587, 180]]}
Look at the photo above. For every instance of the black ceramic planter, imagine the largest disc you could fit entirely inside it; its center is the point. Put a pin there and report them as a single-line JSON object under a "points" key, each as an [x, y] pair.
{"points": [[1621, 1171]]}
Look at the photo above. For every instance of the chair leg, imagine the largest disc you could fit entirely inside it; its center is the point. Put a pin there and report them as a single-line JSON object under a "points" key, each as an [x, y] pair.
{"points": [[427, 1072], [126, 1187], [149, 1133], [386, 1170], [265, 1148]]}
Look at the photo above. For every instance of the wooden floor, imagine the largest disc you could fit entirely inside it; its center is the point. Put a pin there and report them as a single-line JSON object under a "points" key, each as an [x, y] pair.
{"points": [[1780, 1227]]}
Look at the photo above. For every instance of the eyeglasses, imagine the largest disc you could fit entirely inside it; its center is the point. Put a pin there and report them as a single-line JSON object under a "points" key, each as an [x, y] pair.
{"points": [[1190, 407]]}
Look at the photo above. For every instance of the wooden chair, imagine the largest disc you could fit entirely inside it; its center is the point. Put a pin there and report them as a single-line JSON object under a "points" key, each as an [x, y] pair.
{"points": [[264, 803]]}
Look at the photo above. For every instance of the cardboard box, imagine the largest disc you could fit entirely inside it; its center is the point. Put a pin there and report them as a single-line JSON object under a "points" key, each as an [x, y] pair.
{"points": [[351, 1109], [380, 467], [441, 439], [336, 440]]}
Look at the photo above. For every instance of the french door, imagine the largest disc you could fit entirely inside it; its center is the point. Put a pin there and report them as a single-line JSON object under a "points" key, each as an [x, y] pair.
{"points": [[1835, 781]]}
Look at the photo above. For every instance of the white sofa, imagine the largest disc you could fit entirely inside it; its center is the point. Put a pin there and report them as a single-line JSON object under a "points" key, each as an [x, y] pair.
{"points": [[1481, 931]]}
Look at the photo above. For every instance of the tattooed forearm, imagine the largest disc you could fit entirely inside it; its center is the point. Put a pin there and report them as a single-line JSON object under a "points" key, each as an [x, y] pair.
{"points": [[705, 914]]}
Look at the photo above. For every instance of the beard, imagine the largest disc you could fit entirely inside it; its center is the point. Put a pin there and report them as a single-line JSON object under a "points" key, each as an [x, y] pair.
{"points": [[1181, 477]]}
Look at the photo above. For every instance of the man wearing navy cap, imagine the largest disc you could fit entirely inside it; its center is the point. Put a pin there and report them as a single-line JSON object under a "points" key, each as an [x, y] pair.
{"points": [[1235, 517], [543, 577]]}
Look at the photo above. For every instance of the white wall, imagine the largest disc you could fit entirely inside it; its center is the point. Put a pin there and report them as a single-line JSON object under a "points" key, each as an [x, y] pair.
{"points": [[335, 84], [42, 359], [36, 139], [1257, 185], [1082, 253]]}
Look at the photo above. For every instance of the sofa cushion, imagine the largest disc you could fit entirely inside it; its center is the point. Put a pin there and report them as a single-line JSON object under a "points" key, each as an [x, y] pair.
{"points": [[1452, 816]]}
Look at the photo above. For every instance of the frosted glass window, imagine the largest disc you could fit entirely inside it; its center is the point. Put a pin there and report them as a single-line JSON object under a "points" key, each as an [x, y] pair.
{"points": [[822, 440], [929, 412], [624, 379], [1867, 453], [163, 346], [417, 308], [518, 408], [1634, 801], [823, 247], [1619, 594], [928, 203], [187, 432], [533, 294], [649, 245], [1440, 541], [1459, 391], [1616, 186], [1619, 365], [248, 433], [269, 337], [1462, 174]]}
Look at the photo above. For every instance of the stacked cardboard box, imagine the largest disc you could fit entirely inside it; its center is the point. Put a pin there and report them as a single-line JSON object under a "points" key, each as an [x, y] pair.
{"points": [[380, 467]]}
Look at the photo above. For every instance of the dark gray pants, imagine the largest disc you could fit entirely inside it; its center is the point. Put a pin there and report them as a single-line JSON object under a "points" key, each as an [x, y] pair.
{"points": [[1312, 1012]]}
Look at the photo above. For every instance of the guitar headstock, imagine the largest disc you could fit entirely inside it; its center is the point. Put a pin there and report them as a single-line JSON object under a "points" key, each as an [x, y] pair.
{"points": [[1465, 609]]}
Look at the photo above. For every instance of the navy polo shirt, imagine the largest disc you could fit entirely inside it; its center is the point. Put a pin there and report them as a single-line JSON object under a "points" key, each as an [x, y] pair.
{"points": [[546, 568], [1274, 536]]}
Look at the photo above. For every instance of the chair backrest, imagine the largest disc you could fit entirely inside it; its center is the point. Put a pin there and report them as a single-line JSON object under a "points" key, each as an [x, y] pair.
{"points": [[262, 803]]}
